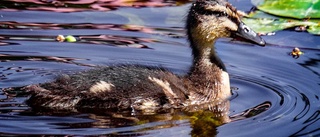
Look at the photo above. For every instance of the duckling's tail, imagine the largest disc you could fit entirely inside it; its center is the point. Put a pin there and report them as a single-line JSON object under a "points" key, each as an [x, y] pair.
{"points": [[41, 97]]}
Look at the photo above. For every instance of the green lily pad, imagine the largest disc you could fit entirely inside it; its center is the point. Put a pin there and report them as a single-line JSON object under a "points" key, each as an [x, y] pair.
{"points": [[272, 25], [264, 25], [262, 22], [314, 29], [267, 25], [299, 9]]}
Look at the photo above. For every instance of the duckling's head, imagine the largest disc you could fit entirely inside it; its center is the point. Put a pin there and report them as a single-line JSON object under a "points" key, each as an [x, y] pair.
{"points": [[209, 20]]}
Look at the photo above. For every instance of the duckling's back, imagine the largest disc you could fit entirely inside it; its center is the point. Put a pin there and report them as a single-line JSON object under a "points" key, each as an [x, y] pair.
{"points": [[121, 87]]}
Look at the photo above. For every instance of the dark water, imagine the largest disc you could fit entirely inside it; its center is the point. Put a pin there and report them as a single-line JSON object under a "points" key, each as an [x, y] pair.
{"points": [[274, 94]]}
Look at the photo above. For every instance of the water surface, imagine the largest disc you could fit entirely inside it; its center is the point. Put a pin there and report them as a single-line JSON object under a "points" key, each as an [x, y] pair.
{"points": [[273, 93]]}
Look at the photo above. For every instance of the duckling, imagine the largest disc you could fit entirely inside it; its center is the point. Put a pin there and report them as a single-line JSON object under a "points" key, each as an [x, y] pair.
{"points": [[143, 88]]}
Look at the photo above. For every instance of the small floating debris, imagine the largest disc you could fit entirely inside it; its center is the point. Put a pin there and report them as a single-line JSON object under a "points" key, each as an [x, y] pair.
{"points": [[60, 38], [68, 38], [301, 28], [295, 53]]}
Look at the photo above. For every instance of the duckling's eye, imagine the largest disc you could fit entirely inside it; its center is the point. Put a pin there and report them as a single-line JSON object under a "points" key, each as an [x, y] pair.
{"points": [[222, 14], [216, 13]]}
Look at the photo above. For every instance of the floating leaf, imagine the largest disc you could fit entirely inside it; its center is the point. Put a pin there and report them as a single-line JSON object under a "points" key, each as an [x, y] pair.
{"points": [[299, 9], [315, 29], [266, 23]]}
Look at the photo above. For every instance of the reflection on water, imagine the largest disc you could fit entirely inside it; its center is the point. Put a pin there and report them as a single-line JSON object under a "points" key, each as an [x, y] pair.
{"points": [[82, 5], [272, 92], [110, 39]]}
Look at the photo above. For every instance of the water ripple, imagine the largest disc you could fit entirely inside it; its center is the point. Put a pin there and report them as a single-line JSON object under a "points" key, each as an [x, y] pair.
{"points": [[273, 94]]}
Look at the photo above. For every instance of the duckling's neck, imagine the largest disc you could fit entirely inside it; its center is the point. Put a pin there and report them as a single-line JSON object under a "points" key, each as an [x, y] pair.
{"points": [[207, 67], [205, 57], [207, 75]]}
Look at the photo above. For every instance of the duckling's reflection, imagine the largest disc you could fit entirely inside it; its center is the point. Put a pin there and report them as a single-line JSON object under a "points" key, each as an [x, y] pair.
{"points": [[206, 118], [203, 119]]}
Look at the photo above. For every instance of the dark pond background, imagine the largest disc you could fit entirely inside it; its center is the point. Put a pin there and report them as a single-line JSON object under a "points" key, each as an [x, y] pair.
{"points": [[275, 94]]}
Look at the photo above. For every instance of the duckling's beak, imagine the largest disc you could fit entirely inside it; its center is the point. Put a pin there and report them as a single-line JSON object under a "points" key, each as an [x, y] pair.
{"points": [[245, 32]]}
